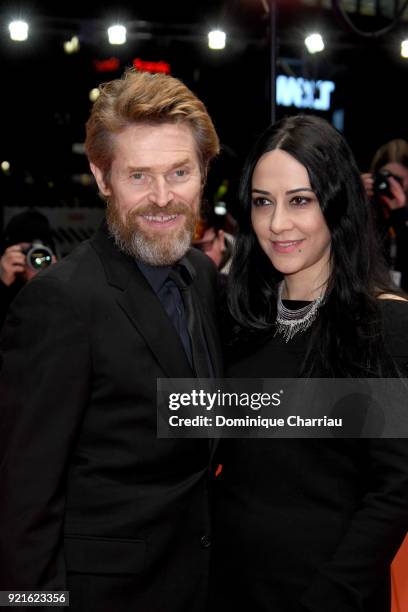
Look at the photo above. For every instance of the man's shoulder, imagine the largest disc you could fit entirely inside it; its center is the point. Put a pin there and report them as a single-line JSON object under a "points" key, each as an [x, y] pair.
{"points": [[200, 262], [73, 279], [64, 289], [73, 269], [207, 279]]}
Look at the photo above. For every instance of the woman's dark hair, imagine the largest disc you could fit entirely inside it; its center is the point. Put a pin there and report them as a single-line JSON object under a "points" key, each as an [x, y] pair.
{"points": [[347, 338]]}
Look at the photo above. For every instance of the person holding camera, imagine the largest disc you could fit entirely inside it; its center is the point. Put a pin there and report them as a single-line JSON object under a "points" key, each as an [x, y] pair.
{"points": [[211, 238], [387, 186], [27, 247]]}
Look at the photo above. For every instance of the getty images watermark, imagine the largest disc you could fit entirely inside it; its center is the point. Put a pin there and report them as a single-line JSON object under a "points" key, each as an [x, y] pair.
{"points": [[287, 408], [223, 399]]}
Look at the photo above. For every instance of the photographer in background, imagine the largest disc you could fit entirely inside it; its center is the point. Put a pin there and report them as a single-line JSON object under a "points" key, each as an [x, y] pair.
{"points": [[387, 186], [211, 238], [26, 248]]}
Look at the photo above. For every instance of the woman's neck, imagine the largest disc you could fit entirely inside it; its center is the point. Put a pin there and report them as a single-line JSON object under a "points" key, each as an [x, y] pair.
{"points": [[303, 287]]}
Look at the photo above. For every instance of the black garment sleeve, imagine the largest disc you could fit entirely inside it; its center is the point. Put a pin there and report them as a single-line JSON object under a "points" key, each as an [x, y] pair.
{"points": [[43, 393], [399, 222], [373, 537], [380, 523]]}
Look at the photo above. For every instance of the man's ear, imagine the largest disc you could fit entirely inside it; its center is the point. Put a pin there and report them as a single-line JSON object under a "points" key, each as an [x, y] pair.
{"points": [[100, 180]]}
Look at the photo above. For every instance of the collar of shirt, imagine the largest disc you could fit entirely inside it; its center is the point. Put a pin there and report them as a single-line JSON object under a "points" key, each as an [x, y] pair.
{"points": [[157, 275]]}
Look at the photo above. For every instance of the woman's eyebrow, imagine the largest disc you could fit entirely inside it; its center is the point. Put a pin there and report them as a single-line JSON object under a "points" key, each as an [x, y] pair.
{"points": [[260, 191], [299, 189]]}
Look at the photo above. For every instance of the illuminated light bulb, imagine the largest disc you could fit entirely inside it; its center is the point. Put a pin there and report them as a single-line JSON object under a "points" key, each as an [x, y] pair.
{"points": [[5, 166], [404, 48], [220, 208], [94, 94], [86, 179], [216, 40], [314, 43], [18, 30], [71, 46], [117, 35]]}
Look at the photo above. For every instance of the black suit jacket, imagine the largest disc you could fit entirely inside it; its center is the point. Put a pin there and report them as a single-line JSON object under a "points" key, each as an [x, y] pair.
{"points": [[91, 499]]}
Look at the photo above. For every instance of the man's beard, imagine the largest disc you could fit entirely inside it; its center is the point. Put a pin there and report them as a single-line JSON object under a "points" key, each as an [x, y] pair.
{"points": [[149, 246]]}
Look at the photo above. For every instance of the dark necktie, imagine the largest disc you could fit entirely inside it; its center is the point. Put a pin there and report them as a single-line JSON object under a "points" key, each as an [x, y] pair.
{"points": [[170, 296], [201, 358]]}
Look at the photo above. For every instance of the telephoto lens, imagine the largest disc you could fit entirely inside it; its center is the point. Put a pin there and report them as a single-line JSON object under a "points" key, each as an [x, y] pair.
{"points": [[38, 256]]}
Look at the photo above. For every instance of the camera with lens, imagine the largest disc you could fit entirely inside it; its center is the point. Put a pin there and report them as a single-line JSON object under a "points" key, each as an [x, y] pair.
{"points": [[38, 255], [381, 186]]}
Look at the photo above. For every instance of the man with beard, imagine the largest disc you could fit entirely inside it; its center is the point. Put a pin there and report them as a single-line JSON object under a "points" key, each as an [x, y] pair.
{"points": [[92, 501]]}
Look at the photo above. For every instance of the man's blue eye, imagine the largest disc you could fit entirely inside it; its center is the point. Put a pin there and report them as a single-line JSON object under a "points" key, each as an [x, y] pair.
{"points": [[180, 174]]}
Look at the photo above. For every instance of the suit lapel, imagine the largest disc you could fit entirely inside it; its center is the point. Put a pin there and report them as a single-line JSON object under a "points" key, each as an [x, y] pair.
{"points": [[147, 314], [214, 347], [142, 307], [210, 332], [200, 300]]}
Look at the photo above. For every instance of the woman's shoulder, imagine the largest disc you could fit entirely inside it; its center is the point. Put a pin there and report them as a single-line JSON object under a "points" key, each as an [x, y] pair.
{"points": [[395, 310], [392, 297]]}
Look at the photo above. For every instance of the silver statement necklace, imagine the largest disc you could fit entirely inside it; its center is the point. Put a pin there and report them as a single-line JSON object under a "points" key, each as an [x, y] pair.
{"points": [[290, 322]]}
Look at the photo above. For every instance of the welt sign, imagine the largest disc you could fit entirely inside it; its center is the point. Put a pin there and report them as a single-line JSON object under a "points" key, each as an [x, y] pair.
{"points": [[302, 93]]}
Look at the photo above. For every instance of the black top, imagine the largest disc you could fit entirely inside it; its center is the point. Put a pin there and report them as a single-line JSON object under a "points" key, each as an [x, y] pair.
{"points": [[309, 524]]}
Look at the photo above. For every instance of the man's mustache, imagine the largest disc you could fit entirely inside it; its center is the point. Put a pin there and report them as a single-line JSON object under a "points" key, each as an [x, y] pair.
{"points": [[174, 208]]}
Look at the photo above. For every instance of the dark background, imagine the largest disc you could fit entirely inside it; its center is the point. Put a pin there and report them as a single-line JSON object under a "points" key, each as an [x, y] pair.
{"points": [[44, 92]]}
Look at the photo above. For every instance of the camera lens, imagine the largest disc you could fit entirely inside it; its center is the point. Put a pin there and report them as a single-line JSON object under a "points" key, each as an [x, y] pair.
{"points": [[39, 256], [382, 186]]}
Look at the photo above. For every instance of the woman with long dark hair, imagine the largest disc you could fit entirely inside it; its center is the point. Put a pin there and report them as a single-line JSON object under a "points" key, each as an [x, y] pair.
{"points": [[309, 524]]}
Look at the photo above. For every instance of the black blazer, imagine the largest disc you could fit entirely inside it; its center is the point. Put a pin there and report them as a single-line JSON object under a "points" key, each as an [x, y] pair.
{"points": [[91, 500]]}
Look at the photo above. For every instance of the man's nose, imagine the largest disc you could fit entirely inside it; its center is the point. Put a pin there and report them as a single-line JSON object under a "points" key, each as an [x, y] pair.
{"points": [[160, 192]]}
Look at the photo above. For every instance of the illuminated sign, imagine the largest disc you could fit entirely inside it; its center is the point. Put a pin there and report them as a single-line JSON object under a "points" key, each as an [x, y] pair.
{"points": [[302, 93], [113, 63], [108, 65], [151, 66]]}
